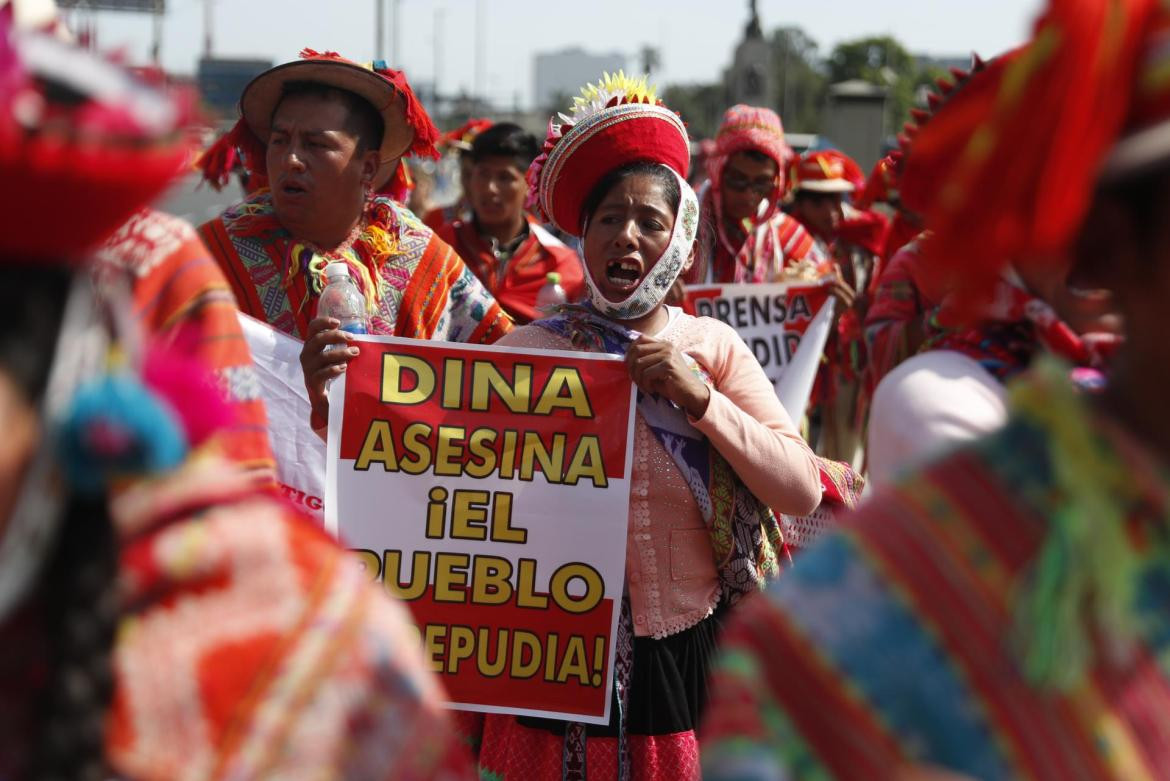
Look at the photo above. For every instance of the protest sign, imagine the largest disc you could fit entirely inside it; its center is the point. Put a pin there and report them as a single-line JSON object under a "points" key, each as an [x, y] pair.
{"points": [[771, 318], [299, 453], [796, 380], [488, 488]]}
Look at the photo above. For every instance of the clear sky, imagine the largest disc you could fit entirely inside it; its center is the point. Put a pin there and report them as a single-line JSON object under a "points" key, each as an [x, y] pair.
{"points": [[696, 37]]}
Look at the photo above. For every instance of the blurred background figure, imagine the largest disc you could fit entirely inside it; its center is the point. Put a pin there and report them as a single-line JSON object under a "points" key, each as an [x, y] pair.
{"points": [[503, 245], [457, 142], [820, 185], [422, 194]]}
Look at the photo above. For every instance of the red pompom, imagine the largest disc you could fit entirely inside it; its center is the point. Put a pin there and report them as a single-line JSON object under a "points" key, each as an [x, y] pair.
{"points": [[239, 147]]}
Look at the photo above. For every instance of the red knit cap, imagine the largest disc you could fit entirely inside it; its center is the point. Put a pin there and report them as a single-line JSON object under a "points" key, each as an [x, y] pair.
{"points": [[749, 127]]}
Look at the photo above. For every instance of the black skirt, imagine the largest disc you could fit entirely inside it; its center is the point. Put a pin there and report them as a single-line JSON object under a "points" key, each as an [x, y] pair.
{"points": [[668, 687]]}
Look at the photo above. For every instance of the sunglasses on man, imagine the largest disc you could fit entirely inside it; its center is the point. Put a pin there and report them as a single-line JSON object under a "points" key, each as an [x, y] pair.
{"points": [[741, 183]]}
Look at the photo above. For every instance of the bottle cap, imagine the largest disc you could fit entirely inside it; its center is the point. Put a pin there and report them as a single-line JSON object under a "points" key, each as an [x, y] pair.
{"points": [[336, 269], [553, 278]]}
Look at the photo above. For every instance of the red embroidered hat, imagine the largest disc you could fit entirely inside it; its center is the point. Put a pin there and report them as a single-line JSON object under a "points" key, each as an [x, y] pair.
{"points": [[826, 171], [79, 167], [407, 128], [618, 121]]}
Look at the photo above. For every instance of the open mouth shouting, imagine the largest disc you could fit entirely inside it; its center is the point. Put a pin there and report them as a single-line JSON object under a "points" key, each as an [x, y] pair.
{"points": [[623, 274], [291, 188]]}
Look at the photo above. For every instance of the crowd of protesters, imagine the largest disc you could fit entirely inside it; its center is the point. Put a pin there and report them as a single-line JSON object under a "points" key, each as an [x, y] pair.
{"points": [[993, 607]]}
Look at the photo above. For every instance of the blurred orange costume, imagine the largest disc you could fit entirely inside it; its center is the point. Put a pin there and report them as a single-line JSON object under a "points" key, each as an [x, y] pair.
{"points": [[182, 300]]}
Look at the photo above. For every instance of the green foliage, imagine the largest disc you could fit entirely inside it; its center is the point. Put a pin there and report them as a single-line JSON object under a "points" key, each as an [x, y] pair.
{"points": [[877, 60], [800, 79], [700, 105], [560, 101], [880, 60], [803, 79]]}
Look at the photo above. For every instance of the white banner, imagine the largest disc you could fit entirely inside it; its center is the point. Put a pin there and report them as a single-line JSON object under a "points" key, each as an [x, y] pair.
{"points": [[300, 454]]}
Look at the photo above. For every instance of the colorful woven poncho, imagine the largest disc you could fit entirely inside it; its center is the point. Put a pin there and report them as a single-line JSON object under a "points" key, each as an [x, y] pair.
{"points": [[250, 648], [182, 300], [947, 625], [415, 284], [770, 242]]}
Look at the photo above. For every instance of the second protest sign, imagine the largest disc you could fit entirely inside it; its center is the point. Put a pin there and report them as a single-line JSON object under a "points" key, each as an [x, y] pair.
{"points": [[771, 318], [488, 488]]}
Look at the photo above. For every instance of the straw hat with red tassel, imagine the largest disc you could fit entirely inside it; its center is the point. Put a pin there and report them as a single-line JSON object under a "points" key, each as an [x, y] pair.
{"points": [[407, 127]]}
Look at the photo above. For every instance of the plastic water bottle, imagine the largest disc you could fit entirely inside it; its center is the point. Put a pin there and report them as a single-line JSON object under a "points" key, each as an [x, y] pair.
{"points": [[342, 301], [551, 293]]}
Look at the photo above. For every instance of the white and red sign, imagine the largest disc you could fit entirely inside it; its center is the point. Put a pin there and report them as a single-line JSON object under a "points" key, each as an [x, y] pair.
{"points": [[488, 488], [299, 452], [785, 324]]}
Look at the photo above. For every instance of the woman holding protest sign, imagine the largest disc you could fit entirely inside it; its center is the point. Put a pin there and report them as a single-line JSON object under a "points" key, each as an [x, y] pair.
{"points": [[713, 450]]}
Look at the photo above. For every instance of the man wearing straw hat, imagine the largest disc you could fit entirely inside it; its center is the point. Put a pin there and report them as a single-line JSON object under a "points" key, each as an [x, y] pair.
{"points": [[329, 134]]}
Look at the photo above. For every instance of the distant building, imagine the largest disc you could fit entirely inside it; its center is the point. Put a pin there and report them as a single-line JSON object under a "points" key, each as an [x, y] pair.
{"points": [[855, 120], [556, 75], [222, 81]]}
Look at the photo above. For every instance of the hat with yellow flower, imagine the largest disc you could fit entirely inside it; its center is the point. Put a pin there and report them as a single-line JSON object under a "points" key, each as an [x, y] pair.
{"points": [[617, 121]]}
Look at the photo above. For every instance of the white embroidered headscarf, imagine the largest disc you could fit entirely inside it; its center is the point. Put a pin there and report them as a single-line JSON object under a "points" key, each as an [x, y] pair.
{"points": [[665, 269]]}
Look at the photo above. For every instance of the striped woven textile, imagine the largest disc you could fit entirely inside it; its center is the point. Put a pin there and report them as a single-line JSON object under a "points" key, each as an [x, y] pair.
{"points": [[898, 300], [249, 647], [418, 285], [182, 300], [895, 643], [767, 249]]}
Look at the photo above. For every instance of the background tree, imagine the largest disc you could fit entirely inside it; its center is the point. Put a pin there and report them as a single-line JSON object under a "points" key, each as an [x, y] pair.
{"points": [[800, 75], [559, 102], [924, 83], [700, 105], [883, 61]]}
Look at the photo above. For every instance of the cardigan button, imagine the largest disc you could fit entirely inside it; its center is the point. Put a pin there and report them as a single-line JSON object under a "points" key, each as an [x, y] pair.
{"points": [[640, 619]]}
